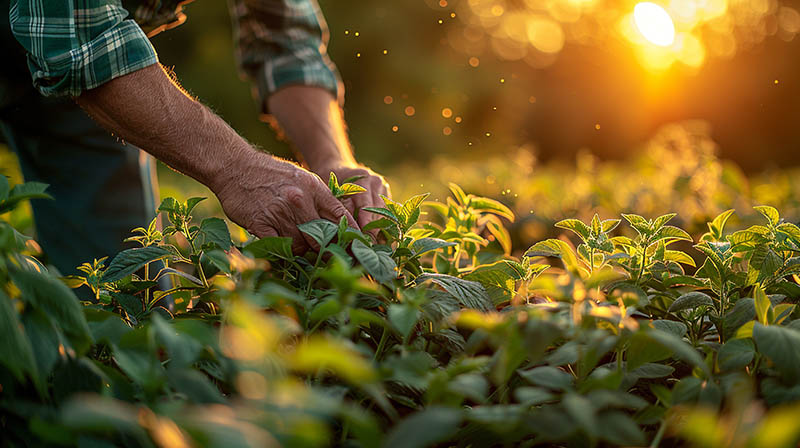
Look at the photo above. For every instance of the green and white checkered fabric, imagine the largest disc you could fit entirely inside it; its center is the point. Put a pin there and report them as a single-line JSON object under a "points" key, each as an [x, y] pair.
{"points": [[74, 45], [78, 45]]}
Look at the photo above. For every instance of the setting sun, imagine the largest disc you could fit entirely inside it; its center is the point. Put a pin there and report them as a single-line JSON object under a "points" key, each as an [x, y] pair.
{"points": [[655, 23]]}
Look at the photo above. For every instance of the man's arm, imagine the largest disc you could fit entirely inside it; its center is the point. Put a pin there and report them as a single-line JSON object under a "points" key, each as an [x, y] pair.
{"points": [[282, 49], [312, 119], [267, 196]]}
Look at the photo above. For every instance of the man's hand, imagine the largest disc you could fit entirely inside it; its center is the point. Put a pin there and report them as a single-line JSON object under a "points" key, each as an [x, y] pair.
{"points": [[313, 121], [372, 181], [270, 197], [267, 196]]}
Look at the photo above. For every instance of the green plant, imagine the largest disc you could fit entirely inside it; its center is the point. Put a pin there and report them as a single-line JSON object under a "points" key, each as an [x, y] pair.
{"points": [[428, 332]]}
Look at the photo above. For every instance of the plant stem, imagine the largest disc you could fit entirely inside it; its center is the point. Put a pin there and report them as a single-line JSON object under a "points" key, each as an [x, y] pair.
{"points": [[381, 343], [659, 435]]}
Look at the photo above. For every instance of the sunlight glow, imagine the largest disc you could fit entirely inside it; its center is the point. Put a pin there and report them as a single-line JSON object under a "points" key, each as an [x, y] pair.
{"points": [[655, 23]]}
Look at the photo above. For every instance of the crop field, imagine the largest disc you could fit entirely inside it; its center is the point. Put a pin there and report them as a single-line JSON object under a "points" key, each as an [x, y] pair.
{"points": [[590, 235], [443, 323]]}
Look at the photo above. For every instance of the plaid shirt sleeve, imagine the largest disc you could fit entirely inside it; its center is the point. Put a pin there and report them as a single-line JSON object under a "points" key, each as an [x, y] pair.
{"points": [[282, 43], [78, 45]]}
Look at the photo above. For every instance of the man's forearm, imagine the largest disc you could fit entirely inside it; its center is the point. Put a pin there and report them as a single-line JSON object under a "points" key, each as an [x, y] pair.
{"points": [[312, 120], [147, 109]]}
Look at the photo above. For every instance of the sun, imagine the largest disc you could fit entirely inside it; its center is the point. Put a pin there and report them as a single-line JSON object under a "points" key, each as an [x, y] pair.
{"points": [[655, 23]]}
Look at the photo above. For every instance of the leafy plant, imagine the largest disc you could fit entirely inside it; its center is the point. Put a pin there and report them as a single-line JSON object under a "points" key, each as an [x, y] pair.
{"points": [[431, 333]]}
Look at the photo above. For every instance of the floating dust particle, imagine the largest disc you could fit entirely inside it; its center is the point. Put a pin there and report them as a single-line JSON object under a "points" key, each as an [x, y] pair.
{"points": [[597, 126], [474, 62], [531, 99], [357, 34], [776, 81], [494, 107], [358, 55], [388, 99], [502, 80], [488, 134], [447, 131], [385, 51], [469, 143], [443, 3], [441, 21], [395, 128], [346, 32], [452, 15], [458, 119], [410, 111], [447, 112]]}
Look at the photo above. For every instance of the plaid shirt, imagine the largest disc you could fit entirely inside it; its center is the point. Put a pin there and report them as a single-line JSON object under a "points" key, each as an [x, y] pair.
{"points": [[80, 44]]}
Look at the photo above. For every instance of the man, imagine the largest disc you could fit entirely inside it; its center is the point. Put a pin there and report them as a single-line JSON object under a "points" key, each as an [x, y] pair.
{"points": [[95, 52]]}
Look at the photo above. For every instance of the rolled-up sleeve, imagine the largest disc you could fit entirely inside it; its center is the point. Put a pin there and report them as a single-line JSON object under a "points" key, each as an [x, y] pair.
{"points": [[281, 43], [78, 45]]}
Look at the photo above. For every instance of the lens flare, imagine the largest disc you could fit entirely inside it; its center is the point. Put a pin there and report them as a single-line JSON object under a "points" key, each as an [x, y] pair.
{"points": [[655, 23]]}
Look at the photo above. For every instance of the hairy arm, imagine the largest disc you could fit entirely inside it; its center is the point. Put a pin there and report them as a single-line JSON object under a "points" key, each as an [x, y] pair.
{"points": [[265, 195], [312, 120]]}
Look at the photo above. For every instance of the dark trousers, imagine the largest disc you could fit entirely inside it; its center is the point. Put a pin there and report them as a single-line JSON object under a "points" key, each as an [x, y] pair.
{"points": [[102, 187]]}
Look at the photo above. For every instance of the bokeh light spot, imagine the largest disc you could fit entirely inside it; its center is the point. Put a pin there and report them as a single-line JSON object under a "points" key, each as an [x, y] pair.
{"points": [[388, 99], [654, 23], [447, 112], [410, 111]]}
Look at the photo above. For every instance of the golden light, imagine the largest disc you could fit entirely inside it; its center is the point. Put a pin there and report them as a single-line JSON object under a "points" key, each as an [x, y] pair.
{"points": [[654, 23]]}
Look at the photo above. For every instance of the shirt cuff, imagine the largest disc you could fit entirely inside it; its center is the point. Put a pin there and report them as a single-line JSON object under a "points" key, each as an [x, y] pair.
{"points": [[118, 51], [306, 67]]}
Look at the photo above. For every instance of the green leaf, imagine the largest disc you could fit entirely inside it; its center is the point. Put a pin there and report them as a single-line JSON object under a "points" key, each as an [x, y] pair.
{"points": [[772, 215], [762, 306], [349, 189], [423, 245], [403, 318], [717, 226], [191, 203], [408, 214], [679, 329], [170, 205], [641, 225], [492, 206], [377, 263], [555, 248], [663, 219], [55, 299], [321, 230], [21, 192], [548, 376], [214, 230], [782, 346], [690, 301], [608, 225], [619, 429], [470, 294], [652, 370], [383, 212], [678, 257], [670, 233], [131, 260], [736, 354], [4, 188], [764, 263], [271, 246], [582, 411], [16, 352], [458, 193], [577, 226], [425, 428]]}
